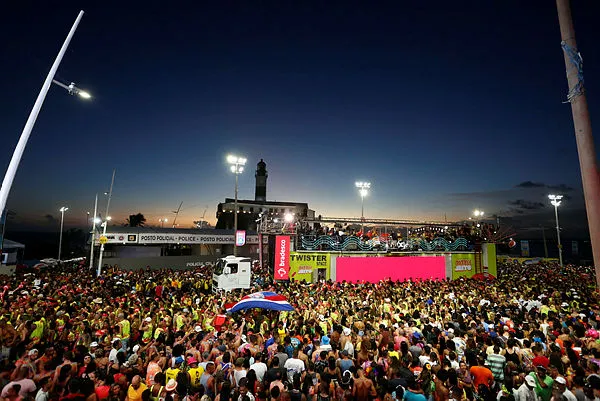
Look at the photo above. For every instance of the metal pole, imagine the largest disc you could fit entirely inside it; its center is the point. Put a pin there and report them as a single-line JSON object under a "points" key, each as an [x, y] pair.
{"points": [[260, 244], [99, 271], [560, 259], [62, 218], [93, 243], [362, 213], [235, 207], [545, 244], [3, 219], [583, 133], [20, 148], [112, 182]]}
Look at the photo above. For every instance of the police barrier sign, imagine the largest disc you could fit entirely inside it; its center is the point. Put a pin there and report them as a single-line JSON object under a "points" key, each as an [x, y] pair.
{"points": [[169, 238]]}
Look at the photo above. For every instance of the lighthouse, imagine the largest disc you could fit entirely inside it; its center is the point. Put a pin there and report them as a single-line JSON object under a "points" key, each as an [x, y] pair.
{"points": [[260, 193]]}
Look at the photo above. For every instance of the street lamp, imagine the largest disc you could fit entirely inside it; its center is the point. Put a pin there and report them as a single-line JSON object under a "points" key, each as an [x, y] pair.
{"points": [[363, 190], [62, 219], [11, 171], [478, 213], [73, 90], [555, 200], [162, 222], [237, 167]]}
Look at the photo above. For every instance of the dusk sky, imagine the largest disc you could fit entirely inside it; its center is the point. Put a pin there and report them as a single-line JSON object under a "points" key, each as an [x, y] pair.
{"points": [[443, 106]]}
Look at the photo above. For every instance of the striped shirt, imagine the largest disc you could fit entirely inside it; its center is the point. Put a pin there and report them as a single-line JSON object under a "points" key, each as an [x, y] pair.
{"points": [[496, 364]]}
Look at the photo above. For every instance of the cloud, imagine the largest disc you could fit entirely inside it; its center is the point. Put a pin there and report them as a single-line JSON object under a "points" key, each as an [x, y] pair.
{"points": [[522, 204], [560, 188], [530, 184], [50, 219]]}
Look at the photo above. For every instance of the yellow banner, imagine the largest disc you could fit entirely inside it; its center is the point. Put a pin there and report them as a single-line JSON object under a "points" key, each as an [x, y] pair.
{"points": [[304, 265]]}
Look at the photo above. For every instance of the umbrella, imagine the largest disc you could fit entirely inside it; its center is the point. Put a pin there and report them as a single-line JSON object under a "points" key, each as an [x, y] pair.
{"points": [[262, 300]]}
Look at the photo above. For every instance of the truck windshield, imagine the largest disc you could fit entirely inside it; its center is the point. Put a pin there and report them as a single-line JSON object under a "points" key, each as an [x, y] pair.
{"points": [[219, 268]]}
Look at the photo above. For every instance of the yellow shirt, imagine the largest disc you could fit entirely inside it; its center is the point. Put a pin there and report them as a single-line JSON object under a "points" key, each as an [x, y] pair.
{"points": [[195, 375], [172, 373], [136, 395]]}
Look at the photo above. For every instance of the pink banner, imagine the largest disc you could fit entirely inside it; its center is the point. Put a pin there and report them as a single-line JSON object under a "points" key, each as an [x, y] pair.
{"points": [[375, 269], [282, 257]]}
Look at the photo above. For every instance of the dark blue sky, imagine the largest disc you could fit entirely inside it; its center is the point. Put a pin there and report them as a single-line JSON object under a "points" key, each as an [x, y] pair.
{"points": [[443, 106]]}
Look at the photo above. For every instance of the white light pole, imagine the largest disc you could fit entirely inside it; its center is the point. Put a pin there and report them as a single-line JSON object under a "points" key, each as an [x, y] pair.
{"points": [[237, 167], [11, 171], [104, 225], [363, 190], [478, 214], [555, 200], [109, 194], [62, 219], [95, 220]]}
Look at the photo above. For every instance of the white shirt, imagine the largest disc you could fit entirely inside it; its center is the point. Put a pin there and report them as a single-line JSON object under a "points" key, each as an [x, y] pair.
{"points": [[293, 366], [260, 368], [112, 356], [350, 348], [42, 395], [568, 394], [524, 393], [27, 386]]}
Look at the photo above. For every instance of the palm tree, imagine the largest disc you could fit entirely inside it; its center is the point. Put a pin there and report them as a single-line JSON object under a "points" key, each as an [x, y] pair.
{"points": [[135, 220]]}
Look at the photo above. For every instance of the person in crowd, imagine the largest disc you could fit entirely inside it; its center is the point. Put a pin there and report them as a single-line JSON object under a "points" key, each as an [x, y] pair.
{"points": [[531, 333]]}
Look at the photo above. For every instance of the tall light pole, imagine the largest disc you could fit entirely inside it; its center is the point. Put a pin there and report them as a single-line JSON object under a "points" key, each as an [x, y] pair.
{"points": [[162, 222], [62, 220], [95, 220], [109, 193], [237, 167], [104, 225], [478, 215], [582, 123], [11, 171], [363, 190], [555, 200]]}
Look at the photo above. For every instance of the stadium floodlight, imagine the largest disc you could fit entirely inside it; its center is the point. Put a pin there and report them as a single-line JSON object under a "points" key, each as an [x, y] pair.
{"points": [[237, 167], [555, 200], [363, 190]]}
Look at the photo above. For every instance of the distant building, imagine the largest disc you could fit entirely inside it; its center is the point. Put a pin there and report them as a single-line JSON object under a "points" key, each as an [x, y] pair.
{"points": [[261, 175], [249, 210], [12, 252]]}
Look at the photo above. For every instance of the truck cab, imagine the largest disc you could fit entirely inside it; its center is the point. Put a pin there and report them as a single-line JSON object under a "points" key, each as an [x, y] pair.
{"points": [[232, 272]]}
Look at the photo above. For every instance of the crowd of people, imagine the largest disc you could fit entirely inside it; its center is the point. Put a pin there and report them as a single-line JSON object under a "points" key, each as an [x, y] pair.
{"points": [[531, 334], [405, 238]]}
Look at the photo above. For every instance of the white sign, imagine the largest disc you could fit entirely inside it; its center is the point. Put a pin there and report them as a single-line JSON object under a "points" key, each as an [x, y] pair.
{"points": [[240, 238], [170, 238]]}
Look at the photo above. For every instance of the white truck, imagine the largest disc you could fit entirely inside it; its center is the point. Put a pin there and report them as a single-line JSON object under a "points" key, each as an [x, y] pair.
{"points": [[232, 272]]}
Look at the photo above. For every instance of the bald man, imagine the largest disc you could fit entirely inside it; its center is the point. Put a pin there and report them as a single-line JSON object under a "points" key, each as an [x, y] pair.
{"points": [[135, 390]]}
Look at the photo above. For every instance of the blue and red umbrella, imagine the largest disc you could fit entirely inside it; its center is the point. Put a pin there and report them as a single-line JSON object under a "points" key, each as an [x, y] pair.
{"points": [[262, 300]]}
